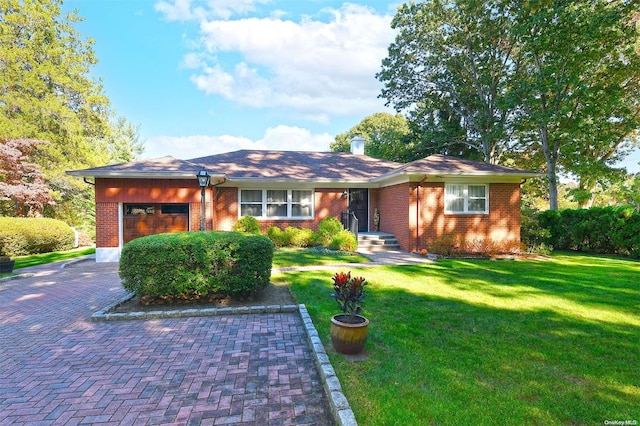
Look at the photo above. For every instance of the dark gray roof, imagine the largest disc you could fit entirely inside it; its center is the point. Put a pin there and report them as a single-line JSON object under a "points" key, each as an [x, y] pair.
{"points": [[437, 164], [294, 165], [298, 166], [157, 167]]}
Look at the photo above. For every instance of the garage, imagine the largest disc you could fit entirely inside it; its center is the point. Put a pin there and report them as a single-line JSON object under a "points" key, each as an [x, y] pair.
{"points": [[140, 220]]}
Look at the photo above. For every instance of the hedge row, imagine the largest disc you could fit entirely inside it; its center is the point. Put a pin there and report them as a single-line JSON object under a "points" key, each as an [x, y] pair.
{"points": [[23, 236], [605, 230], [330, 234], [195, 264]]}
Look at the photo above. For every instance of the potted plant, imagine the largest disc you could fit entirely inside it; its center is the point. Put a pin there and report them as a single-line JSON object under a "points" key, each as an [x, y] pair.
{"points": [[349, 329]]}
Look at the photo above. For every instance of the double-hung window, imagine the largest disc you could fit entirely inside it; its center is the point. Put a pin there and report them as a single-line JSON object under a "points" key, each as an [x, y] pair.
{"points": [[276, 203], [462, 198]]}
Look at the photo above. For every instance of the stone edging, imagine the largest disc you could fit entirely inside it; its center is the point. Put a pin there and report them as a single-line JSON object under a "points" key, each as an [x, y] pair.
{"points": [[104, 315], [340, 409]]}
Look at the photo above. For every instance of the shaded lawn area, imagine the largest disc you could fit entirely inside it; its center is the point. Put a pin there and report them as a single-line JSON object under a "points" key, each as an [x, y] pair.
{"points": [[290, 256], [491, 342]]}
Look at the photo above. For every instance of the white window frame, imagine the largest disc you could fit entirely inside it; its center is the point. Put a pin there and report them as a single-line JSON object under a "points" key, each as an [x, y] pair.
{"points": [[465, 197], [289, 202]]}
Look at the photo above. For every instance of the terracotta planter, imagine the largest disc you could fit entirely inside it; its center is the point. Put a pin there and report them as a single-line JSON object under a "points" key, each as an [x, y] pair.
{"points": [[349, 337]]}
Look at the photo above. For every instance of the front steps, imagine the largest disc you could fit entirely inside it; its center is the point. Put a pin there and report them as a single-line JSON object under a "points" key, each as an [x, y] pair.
{"points": [[369, 242]]}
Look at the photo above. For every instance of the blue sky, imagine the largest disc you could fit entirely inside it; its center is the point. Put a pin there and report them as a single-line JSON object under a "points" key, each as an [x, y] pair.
{"points": [[202, 77]]}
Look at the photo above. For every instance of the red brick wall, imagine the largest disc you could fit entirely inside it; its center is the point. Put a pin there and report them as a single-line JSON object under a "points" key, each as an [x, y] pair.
{"points": [[397, 206], [501, 224], [110, 192], [107, 230], [398, 215], [393, 204]]}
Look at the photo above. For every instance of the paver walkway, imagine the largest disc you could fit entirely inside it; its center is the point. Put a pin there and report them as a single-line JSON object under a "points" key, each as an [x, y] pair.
{"points": [[57, 367]]}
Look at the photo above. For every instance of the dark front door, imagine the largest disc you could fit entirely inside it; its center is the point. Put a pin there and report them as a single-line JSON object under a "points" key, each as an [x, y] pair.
{"points": [[359, 205]]}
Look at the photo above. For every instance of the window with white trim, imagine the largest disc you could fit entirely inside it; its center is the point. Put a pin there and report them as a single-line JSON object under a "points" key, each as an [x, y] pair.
{"points": [[461, 198], [276, 203]]}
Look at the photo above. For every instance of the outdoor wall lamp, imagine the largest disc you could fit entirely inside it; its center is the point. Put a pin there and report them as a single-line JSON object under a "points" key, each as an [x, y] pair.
{"points": [[203, 181]]}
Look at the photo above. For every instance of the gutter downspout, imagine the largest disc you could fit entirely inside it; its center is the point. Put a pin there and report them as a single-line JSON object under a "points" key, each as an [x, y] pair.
{"points": [[417, 244]]}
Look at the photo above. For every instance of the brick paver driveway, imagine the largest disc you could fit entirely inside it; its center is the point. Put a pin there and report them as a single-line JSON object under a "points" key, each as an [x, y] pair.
{"points": [[57, 367]]}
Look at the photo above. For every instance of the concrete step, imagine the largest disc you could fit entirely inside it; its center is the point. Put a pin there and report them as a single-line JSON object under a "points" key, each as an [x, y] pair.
{"points": [[378, 241]]}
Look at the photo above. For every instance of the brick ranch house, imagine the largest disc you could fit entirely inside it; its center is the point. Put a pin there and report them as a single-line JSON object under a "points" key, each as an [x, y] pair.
{"points": [[417, 202]]}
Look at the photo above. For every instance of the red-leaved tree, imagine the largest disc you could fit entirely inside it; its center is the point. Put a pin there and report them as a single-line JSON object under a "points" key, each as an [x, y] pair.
{"points": [[22, 187]]}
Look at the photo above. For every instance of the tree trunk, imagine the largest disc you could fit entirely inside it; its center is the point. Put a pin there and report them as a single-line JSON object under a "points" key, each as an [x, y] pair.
{"points": [[551, 156]]}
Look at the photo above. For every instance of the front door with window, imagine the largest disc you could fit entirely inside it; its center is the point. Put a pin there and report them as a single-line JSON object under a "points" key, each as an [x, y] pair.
{"points": [[359, 205]]}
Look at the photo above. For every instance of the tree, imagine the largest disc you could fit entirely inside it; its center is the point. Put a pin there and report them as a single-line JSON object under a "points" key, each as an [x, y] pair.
{"points": [[438, 130], [386, 137], [577, 84], [551, 84], [454, 59], [22, 188], [123, 141], [47, 93], [45, 89]]}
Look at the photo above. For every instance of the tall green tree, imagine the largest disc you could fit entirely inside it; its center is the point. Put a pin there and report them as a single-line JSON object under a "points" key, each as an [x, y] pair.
{"points": [[386, 137], [47, 93], [454, 59], [123, 141], [577, 84]]}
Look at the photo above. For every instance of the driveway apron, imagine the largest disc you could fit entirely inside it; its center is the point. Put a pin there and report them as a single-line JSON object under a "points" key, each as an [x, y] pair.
{"points": [[58, 367]]}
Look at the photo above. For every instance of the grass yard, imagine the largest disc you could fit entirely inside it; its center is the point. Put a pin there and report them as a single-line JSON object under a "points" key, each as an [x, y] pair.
{"points": [[55, 256], [288, 256], [482, 342]]}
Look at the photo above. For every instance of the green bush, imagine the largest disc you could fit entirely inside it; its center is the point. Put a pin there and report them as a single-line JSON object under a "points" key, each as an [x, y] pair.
{"points": [[344, 241], [23, 236], [300, 237], [247, 224], [605, 230], [532, 235], [277, 236], [193, 264], [329, 228]]}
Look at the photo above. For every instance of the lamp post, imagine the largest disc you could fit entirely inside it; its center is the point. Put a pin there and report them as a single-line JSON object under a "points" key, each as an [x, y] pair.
{"points": [[203, 181]]}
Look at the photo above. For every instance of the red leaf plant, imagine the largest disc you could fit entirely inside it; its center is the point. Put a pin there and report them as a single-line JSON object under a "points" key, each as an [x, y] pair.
{"points": [[349, 292]]}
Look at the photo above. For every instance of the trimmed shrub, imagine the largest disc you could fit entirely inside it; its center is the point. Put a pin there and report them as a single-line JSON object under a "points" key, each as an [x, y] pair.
{"points": [[247, 224], [532, 234], [329, 228], [299, 237], [23, 236], [606, 230], [277, 236], [194, 264], [344, 241]]}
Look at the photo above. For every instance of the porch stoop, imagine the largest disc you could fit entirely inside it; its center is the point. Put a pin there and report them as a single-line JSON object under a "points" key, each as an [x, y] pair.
{"points": [[369, 242]]}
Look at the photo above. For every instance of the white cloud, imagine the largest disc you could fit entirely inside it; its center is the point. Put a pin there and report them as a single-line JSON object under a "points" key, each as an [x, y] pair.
{"points": [[185, 10], [315, 69], [284, 138]]}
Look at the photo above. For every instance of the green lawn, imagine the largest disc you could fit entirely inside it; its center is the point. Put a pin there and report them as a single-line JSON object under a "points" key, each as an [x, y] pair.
{"points": [[56, 256], [551, 342], [287, 256]]}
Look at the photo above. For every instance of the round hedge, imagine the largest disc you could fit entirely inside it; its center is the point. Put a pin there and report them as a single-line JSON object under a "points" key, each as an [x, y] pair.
{"points": [[21, 236], [195, 264]]}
